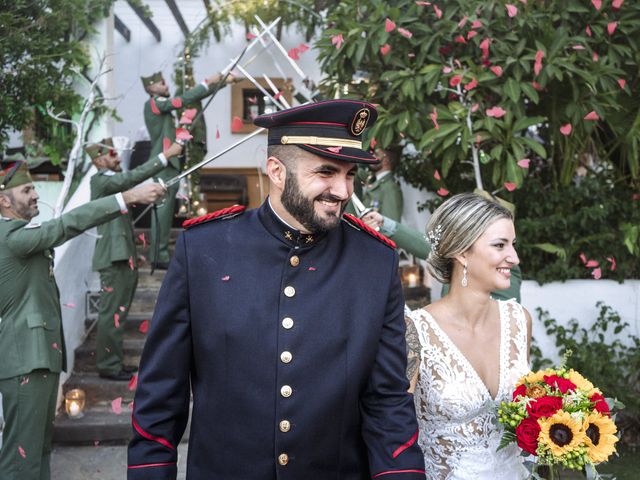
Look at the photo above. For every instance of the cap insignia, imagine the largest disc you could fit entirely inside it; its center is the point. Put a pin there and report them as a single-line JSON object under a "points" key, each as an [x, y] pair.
{"points": [[360, 121]]}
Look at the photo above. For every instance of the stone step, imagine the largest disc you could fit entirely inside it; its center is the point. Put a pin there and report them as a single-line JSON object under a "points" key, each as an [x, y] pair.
{"points": [[144, 300], [85, 355], [99, 424], [147, 280], [98, 390]]}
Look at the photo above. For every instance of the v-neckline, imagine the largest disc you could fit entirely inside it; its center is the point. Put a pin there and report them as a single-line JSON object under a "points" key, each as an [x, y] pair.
{"points": [[444, 336]]}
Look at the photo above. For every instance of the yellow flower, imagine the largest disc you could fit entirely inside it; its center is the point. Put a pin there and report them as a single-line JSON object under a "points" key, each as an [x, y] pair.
{"points": [[532, 377], [600, 432], [580, 382], [560, 433]]}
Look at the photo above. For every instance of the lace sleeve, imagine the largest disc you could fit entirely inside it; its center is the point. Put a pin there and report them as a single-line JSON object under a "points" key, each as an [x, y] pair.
{"points": [[413, 346]]}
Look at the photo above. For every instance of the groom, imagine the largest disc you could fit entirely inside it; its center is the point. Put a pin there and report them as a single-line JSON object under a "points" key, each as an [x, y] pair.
{"points": [[286, 323]]}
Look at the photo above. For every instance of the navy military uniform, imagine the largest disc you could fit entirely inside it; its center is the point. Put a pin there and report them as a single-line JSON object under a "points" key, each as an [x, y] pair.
{"points": [[292, 343]]}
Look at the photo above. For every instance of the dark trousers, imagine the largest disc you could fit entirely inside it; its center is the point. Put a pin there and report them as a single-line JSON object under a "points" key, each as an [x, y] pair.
{"points": [[29, 405]]}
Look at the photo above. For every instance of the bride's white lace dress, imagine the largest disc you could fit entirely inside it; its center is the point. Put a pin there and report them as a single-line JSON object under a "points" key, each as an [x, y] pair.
{"points": [[459, 430]]}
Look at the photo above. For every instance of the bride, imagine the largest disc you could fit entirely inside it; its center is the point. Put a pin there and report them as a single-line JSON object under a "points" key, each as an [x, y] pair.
{"points": [[473, 349]]}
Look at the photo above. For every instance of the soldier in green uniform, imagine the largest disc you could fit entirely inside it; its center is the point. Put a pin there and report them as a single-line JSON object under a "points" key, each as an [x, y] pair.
{"points": [[115, 254], [32, 351], [161, 125]]}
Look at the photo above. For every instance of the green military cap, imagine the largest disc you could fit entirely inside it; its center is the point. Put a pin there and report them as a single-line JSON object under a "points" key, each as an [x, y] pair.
{"points": [[13, 173], [96, 149], [150, 80]]}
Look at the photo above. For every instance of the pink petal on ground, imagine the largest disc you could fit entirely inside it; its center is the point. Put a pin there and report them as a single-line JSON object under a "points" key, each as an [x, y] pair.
{"points": [[524, 163], [512, 10], [612, 261], [386, 48], [337, 40], [116, 405], [622, 82], [591, 116], [436, 175], [389, 25], [236, 124], [443, 192], [496, 112], [510, 186], [334, 149], [597, 273], [597, 4], [116, 320], [133, 383], [592, 263], [497, 70], [405, 33], [144, 326], [566, 129], [611, 27]]}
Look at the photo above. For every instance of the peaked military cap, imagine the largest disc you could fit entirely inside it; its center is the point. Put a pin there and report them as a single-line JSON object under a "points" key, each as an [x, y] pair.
{"points": [[331, 129], [150, 80], [13, 173], [96, 149]]}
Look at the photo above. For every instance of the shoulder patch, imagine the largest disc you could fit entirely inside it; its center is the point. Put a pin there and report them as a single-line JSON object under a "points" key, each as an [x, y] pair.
{"points": [[360, 225], [217, 215]]}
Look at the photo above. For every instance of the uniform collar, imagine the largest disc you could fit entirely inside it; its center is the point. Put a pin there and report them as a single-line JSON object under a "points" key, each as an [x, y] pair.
{"points": [[284, 232]]}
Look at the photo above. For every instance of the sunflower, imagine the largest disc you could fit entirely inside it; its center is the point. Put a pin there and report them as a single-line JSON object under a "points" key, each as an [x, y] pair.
{"points": [[580, 382], [560, 433], [601, 440]]}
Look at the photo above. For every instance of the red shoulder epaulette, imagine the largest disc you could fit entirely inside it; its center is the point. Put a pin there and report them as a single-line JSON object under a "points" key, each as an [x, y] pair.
{"points": [[217, 215], [360, 225]]}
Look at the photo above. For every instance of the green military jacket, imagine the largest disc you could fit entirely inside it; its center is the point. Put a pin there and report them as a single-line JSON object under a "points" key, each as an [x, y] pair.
{"points": [[31, 334], [160, 122], [116, 242], [384, 195]]}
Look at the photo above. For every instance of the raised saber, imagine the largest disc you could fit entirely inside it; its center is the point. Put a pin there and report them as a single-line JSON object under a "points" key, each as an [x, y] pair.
{"points": [[361, 210], [276, 91], [282, 49], [259, 87], [253, 42]]}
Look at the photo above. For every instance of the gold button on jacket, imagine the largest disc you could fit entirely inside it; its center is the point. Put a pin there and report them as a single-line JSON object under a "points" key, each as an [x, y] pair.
{"points": [[294, 261], [286, 391], [283, 459], [285, 426]]}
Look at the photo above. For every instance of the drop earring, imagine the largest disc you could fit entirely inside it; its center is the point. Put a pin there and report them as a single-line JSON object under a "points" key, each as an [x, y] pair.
{"points": [[464, 282]]}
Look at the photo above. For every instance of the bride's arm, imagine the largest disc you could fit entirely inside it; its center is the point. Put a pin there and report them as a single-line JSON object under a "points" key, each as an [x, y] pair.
{"points": [[413, 352], [527, 316]]}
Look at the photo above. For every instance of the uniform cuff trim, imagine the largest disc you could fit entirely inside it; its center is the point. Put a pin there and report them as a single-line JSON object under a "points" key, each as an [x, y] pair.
{"points": [[148, 436], [121, 203], [391, 472], [151, 465], [403, 447], [163, 159]]}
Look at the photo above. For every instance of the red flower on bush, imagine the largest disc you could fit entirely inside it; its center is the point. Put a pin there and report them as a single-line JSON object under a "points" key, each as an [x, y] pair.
{"points": [[521, 390], [560, 383], [544, 406], [600, 404], [527, 435]]}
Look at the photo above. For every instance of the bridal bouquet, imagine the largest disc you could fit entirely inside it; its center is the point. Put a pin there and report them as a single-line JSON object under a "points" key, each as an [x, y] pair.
{"points": [[560, 417]]}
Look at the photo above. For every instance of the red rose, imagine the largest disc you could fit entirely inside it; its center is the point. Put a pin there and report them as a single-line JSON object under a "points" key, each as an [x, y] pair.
{"points": [[600, 404], [527, 435], [544, 406], [521, 390], [560, 383]]}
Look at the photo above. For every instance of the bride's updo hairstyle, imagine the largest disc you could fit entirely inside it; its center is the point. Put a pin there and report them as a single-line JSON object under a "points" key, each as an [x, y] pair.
{"points": [[455, 226]]}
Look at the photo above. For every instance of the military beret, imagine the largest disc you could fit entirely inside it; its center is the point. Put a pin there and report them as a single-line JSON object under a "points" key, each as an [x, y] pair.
{"points": [[331, 129], [13, 173], [96, 149], [150, 80]]}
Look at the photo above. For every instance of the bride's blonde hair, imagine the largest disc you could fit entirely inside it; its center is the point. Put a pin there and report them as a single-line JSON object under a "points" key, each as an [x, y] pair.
{"points": [[455, 226]]}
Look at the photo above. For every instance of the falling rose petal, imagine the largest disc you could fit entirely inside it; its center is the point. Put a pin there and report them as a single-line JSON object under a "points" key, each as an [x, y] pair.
{"points": [[537, 86], [312, 269], [96, 443], [592, 263], [524, 163], [612, 261], [460, 39], [622, 82], [566, 129], [434, 118], [183, 134], [131, 265], [133, 383], [471, 34], [597, 273], [143, 239], [337, 40], [591, 116], [185, 120], [497, 70], [597, 4], [294, 53], [217, 133], [236, 124], [512, 10], [436, 175], [578, 47], [616, 4], [405, 33], [447, 69], [476, 24], [484, 46], [411, 55], [130, 405], [116, 320], [303, 47], [611, 27], [24, 381], [471, 85], [386, 48], [55, 346], [443, 192], [166, 143], [22, 453], [510, 186], [373, 142], [496, 112], [116, 405], [455, 80], [475, 107], [463, 22], [251, 36], [537, 66], [437, 10], [69, 305], [587, 30], [389, 25], [583, 257], [595, 56], [423, 4], [253, 100], [278, 95], [108, 289], [226, 278], [144, 326], [122, 308], [334, 149]]}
